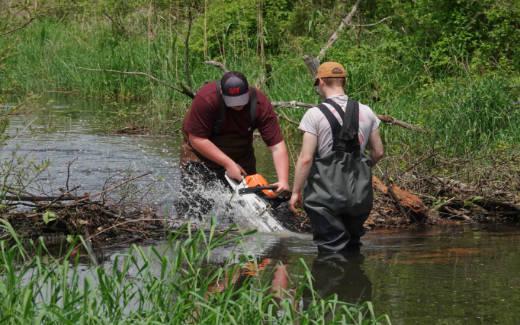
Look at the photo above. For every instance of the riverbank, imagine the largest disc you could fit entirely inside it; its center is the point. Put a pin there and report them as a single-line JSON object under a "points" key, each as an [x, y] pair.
{"points": [[469, 115], [64, 134]]}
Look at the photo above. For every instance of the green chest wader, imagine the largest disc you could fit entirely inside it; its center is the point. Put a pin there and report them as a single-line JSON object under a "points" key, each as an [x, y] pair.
{"points": [[338, 195]]}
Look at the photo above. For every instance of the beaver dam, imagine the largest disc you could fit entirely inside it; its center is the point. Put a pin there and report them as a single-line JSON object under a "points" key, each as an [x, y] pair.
{"points": [[64, 179]]}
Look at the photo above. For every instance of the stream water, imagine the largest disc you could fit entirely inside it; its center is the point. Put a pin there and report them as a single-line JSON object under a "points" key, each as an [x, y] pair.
{"points": [[455, 275]]}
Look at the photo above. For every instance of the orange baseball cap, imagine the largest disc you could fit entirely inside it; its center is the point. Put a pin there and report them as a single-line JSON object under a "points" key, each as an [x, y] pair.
{"points": [[330, 70]]}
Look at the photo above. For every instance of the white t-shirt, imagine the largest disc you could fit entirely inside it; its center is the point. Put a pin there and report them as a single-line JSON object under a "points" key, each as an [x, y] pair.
{"points": [[315, 122]]}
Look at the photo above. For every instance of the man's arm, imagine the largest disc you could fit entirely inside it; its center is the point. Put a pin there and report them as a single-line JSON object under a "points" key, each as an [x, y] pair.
{"points": [[303, 166], [376, 146], [281, 164], [209, 150]]}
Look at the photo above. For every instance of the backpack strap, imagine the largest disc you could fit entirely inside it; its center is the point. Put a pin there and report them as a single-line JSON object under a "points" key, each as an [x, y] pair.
{"points": [[217, 127], [335, 127], [252, 107]]}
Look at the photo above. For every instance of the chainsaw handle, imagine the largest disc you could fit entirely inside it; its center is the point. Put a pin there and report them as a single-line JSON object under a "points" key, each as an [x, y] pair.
{"points": [[256, 189]]}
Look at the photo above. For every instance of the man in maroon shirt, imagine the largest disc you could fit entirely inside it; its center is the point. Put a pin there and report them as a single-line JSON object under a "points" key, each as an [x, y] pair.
{"points": [[219, 130]]}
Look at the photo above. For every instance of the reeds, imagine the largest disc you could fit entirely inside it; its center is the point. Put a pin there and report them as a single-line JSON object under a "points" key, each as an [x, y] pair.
{"points": [[174, 285], [464, 113]]}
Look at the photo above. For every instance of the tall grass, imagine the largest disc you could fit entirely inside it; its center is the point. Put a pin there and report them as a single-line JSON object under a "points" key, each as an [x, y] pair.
{"points": [[151, 286], [463, 113]]}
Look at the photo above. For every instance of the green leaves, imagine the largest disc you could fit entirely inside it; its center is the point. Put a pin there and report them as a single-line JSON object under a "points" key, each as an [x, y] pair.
{"points": [[48, 217]]}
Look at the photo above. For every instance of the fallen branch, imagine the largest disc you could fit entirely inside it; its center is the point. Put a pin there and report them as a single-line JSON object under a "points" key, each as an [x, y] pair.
{"points": [[373, 24], [408, 203], [391, 120], [384, 118], [217, 64], [292, 104], [27, 23], [183, 90], [126, 222], [285, 117], [31, 198]]}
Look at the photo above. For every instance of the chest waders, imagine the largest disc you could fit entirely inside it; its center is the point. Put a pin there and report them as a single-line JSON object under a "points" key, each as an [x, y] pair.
{"points": [[338, 194]]}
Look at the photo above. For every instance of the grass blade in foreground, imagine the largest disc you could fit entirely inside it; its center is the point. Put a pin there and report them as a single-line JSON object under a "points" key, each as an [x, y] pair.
{"points": [[146, 286]]}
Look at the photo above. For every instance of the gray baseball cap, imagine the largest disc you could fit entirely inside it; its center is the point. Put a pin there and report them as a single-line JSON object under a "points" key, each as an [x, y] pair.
{"points": [[235, 89]]}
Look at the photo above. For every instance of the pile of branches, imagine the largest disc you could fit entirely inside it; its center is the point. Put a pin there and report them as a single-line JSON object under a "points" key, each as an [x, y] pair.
{"points": [[100, 219]]}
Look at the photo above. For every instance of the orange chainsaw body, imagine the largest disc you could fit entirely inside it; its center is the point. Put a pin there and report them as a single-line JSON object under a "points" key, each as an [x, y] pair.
{"points": [[256, 180]]}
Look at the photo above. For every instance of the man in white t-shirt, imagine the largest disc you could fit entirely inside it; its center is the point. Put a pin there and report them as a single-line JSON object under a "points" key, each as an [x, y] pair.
{"points": [[333, 230]]}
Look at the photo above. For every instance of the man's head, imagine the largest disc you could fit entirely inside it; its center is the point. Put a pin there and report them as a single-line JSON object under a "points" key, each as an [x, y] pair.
{"points": [[330, 75], [235, 90]]}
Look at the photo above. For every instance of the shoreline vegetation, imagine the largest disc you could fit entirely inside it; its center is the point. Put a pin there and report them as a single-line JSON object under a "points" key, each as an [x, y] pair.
{"points": [[144, 285], [450, 69]]}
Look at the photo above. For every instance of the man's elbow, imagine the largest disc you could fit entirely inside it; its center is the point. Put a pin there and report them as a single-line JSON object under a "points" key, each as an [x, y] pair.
{"points": [[378, 154], [305, 160]]}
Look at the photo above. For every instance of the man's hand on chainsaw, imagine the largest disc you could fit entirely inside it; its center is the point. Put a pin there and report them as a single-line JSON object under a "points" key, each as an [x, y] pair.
{"points": [[295, 202], [235, 172], [281, 187]]}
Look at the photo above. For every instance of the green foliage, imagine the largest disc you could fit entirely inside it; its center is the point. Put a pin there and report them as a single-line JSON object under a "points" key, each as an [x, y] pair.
{"points": [[174, 285], [230, 28], [398, 67]]}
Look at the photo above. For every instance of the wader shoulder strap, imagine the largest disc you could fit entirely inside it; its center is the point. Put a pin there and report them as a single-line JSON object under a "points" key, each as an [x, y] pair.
{"points": [[336, 107], [335, 127], [348, 136], [221, 111]]}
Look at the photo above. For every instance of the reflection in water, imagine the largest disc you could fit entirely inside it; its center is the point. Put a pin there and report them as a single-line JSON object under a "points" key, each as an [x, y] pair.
{"points": [[342, 274]]}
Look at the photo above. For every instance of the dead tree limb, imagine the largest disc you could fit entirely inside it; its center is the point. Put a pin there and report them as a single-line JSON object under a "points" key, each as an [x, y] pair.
{"points": [[373, 24], [292, 104], [285, 117], [312, 63], [384, 118], [217, 64], [332, 39], [183, 90], [391, 120], [27, 23]]}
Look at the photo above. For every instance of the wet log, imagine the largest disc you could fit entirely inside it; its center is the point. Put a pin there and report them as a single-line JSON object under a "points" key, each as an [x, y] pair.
{"points": [[409, 204]]}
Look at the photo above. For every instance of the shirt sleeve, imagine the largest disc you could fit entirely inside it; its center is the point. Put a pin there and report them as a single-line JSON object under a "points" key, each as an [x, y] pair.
{"points": [[267, 122], [309, 122], [201, 118], [375, 120]]}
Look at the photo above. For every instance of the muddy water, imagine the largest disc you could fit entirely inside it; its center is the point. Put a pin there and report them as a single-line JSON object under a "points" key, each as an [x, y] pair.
{"points": [[457, 275], [465, 275], [66, 130]]}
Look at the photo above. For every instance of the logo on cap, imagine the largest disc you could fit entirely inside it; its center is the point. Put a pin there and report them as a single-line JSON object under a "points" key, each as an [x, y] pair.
{"points": [[337, 70], [234, 91]]}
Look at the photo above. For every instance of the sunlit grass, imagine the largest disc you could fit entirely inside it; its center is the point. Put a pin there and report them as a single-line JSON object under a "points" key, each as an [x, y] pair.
{"points": [[175, 285]]}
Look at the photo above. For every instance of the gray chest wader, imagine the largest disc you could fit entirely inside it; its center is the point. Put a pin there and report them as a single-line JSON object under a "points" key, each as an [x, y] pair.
{"points": [[338, 195]]}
